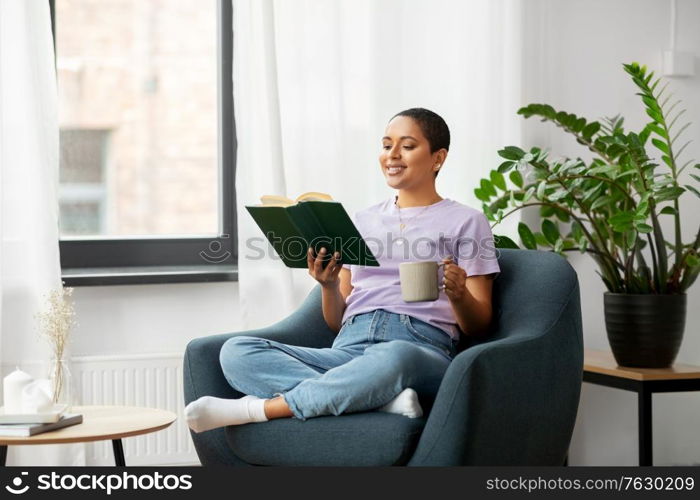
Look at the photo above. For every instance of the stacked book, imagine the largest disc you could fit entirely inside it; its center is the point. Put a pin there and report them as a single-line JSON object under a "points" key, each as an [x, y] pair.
{"points": [[29, 424]]}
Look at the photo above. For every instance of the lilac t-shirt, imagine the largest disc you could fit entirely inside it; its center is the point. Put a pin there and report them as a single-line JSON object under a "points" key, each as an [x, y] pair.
{"points": [[446, 228]]}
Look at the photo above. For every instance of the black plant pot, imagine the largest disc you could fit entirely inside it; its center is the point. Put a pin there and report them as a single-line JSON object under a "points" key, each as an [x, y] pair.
{"points": [[645, 331]]}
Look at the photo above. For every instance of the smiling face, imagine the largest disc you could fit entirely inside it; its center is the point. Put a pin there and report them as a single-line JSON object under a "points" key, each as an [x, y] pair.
{"points": [[406, 160]]}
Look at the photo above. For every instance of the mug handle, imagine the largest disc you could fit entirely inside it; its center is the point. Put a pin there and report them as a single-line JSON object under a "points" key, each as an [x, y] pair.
{"points": [[441, 287]]}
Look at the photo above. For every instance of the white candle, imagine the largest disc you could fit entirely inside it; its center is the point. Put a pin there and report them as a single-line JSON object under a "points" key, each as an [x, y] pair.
{"points": [[12, 390]]}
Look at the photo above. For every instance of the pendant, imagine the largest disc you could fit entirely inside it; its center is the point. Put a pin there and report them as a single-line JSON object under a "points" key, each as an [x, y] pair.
{"points": [[401, 226]]}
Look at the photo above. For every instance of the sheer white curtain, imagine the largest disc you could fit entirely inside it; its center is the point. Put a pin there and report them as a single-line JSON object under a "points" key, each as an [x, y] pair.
{"points": [[29, 255], [315, 82]]}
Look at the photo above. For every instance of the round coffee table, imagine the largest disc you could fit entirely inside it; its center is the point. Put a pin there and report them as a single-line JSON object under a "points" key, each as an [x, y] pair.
{"points": [[99, 423]]}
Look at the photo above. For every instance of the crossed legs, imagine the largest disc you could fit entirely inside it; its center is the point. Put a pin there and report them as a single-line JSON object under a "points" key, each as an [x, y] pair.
{"points": [[283, 381]]}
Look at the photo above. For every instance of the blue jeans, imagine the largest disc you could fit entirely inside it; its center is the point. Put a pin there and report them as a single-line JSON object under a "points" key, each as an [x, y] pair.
{"points": [[375, 356]]}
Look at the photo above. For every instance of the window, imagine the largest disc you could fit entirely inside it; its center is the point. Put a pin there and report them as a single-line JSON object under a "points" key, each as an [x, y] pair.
{"points": [[147, 140], [83, 191]]}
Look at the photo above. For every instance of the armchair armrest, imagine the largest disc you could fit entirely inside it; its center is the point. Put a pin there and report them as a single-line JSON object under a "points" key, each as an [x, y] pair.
{"points": [[525, 385]]}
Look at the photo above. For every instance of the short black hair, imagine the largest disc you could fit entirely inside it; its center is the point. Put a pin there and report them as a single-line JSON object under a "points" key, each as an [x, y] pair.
{"points": [[432, 125]]}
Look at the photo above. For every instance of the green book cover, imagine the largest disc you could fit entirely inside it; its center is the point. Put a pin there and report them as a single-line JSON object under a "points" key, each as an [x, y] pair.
{"points": [[293, 229]]}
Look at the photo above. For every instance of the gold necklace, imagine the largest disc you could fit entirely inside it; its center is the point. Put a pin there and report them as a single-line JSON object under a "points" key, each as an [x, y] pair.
{"points": [[400, 240]]}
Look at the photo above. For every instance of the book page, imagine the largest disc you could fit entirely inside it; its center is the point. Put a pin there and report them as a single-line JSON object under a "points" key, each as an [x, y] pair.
{"points": [[315, 196], [273, 200]]}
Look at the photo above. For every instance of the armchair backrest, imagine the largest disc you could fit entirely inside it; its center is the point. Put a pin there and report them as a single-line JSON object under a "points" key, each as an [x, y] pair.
{"points": [[528, 296], [531, 285]]}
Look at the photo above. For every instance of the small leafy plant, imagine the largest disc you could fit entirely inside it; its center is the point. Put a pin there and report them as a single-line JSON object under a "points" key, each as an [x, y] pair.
{"points": [[610, 206]]}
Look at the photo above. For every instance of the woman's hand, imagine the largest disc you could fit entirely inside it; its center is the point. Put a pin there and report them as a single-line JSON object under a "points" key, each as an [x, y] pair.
{"points": [[328, 277], [455, 280]]}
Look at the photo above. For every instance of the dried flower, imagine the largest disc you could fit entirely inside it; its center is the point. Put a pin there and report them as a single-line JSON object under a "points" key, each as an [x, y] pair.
{"points": [[55, 324]]}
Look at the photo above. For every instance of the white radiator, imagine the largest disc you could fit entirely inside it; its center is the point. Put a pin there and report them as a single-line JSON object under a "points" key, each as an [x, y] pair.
{"points": [[150, 380]]}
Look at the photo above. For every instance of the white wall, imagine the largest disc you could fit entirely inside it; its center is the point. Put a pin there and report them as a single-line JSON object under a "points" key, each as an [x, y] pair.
{"points": [[574, 55], [143, 319], [574, 51]]}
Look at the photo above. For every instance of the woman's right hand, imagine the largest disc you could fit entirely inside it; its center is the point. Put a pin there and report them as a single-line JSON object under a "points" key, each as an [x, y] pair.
{"points": [[327, 277]]}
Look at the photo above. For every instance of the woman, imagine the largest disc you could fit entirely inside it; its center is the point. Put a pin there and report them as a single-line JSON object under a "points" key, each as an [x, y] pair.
{"points": [[388, 352]]}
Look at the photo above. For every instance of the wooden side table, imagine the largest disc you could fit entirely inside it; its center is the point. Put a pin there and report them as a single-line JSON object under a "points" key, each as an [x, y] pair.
{"points": [[99, 423], [600, 367]]}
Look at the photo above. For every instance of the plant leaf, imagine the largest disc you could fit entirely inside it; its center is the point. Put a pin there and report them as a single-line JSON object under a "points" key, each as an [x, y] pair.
{"points": [[481, 195], [578, 125], [621, 221], [603, 200], [562, 214], [541, 240], [582, 244], [668, 193], [668, 210], [601, 169], [590, 192], [693, 260], [506, 166], [590, 130], [660, 145], [507, 155], [546, 211], [511, 153], [625, 174], [576, 231], [643, 208], [569, 244], [558, 195], [651, 103], [558, 245], [488, 188], [550, 231], [528, 194], [657, 130], [526, 236], [540, 189], [643, 228], [502, 241], [498, 180], [654, 115], [516, 178]]}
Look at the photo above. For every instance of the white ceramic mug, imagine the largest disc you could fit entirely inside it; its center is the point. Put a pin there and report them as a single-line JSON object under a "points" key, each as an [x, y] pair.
{"points": [[419, 280]]}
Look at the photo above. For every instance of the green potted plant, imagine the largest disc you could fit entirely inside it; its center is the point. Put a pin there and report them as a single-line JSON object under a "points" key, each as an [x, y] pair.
{"points": [[610, 208]]}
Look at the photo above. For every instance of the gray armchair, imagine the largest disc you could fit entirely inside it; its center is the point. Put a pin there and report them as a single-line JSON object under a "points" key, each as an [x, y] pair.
{"points": [[510, 399]]}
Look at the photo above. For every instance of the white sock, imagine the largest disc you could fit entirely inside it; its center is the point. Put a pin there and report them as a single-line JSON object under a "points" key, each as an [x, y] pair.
{"points": [[209, 412], [406, 404]]}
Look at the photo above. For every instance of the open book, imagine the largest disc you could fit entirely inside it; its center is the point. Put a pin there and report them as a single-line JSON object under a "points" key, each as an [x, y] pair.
{"points": [[283, 201], [312, 220]]}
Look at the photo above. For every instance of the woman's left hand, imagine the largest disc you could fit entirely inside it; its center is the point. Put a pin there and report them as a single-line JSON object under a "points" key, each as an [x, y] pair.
{"points": [[455, 280]]}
